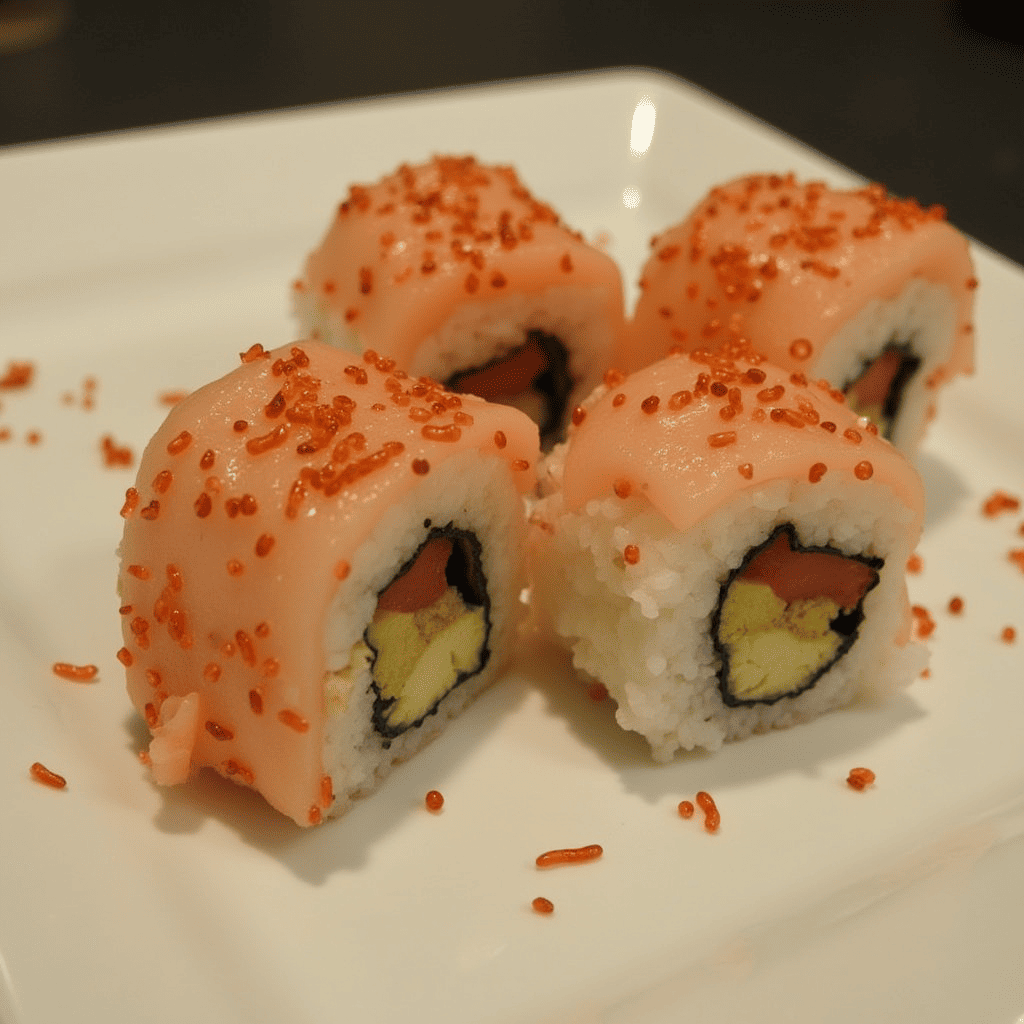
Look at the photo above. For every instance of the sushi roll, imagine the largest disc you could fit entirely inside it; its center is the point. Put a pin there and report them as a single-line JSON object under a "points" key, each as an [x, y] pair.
{"points": [[730, 543], [320, 567], [874, 294], [455, 270]]}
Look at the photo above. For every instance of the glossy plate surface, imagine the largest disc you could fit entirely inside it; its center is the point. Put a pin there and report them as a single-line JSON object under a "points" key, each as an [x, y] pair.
{"points": [[147, 262]]}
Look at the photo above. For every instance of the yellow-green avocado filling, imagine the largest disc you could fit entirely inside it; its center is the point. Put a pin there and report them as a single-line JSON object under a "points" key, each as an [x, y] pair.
{"points": [[786, 616], [773, 646], [429, 632]]}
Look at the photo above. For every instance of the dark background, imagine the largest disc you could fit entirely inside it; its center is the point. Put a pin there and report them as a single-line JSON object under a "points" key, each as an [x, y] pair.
{"points": [[926, 97]]}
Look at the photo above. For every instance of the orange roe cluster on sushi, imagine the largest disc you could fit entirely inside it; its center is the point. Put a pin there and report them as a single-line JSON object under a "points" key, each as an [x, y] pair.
{"points": [[793, 266], [728, 387], [440, 204], [815, 232]]}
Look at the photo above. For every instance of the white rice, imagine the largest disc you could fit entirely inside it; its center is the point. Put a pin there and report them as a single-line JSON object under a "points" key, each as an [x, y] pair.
{"points": [[644, 630]]}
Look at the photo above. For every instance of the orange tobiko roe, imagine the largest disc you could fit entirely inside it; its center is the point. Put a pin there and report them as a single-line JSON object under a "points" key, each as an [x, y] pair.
{"points": [[780, 426], [786, 264]]}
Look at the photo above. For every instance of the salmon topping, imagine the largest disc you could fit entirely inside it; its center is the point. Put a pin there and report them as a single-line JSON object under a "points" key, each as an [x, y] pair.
{"points": [[796, 575], [423, 583]]}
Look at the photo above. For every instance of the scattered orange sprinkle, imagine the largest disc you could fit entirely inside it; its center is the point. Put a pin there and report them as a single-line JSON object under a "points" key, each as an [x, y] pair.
{"points": [[252, 353], [293, 720], [915, 564], [18, 375], [75, 673], [860, 778], [1008, 635], [43, 774], [685, 809], [925, 623], [577, 855], [115, 454], [233, 768], [542, 905], [434, 801], [218, 731], [178, 444], [999, 502], [712, 818], [956, 605]]}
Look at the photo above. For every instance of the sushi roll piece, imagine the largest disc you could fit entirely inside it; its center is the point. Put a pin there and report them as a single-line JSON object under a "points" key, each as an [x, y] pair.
{"points": [[455, 270], [321, 566], [731, 544], [874, 294]]}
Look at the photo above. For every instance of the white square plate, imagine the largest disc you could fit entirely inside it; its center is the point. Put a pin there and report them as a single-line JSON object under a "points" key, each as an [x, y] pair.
{"points": [[147, 261]]}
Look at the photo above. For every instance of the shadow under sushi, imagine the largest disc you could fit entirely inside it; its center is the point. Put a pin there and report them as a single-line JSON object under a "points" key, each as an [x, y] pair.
{"points": [[345, 844], [801, 749], [341, 844], [945, 489]]}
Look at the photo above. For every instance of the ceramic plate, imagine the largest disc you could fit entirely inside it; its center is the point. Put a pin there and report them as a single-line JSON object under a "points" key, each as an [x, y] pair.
{"points": [[139, 265]]}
